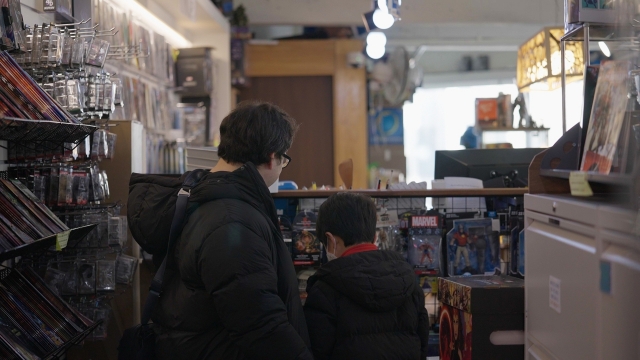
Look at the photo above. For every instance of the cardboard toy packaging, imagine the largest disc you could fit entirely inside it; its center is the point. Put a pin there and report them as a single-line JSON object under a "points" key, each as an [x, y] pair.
{"points": [[474, 308], [306, 247]]}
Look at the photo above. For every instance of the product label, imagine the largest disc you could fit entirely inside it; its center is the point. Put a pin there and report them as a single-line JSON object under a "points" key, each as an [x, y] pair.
{"points": [[424, 222], [62, 239], [579, 184], [49, 5]]}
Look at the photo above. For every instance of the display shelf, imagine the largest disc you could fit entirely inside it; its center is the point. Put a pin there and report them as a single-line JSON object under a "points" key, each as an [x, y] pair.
{"points": [[599, 32], [610, 179], [45, 243], [405, 193], [12, 129], [59, 353], [513, 129]]}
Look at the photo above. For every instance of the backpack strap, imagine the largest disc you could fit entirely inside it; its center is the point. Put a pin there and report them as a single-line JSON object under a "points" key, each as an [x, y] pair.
{"points": [[155, 290]]}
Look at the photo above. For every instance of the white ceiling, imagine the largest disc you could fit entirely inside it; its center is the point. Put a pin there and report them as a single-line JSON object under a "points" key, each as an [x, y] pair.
{"points": [[348, 12], [444, 25]]}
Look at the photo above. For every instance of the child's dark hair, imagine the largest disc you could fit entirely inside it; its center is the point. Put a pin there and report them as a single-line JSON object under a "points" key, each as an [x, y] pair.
{"points": [[254, 131], [350, 216]]}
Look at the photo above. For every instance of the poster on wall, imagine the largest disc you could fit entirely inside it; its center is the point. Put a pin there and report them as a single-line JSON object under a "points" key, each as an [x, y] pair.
{"points": [[386, 127]]}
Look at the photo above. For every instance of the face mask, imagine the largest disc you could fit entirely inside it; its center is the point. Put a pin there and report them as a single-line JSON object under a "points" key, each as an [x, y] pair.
{"points": [[330, 256]]}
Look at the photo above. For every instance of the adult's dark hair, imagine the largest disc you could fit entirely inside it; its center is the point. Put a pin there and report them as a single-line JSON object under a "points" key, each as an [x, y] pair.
{"points": [[254, 131], [350, 216]]}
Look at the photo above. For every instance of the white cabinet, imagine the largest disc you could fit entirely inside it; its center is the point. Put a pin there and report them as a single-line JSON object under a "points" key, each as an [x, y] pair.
{"points": [[582, 283]]}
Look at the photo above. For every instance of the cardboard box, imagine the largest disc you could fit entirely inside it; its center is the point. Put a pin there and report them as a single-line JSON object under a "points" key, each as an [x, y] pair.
{"points": [[474, 307]]}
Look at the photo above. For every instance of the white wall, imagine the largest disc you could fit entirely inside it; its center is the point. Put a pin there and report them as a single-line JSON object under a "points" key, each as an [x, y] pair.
{"points": [[32, 15]]}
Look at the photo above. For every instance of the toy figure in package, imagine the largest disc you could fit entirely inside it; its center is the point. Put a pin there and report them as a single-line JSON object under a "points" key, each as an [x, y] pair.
{"points": [[386, 221], [425, 236], [306, 246], [471, 243]]}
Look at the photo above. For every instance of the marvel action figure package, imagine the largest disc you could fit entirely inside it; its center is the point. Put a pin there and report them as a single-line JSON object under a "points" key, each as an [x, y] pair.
{"points": [[449, 219], [306, 246], [472, 247], [425, 237]]}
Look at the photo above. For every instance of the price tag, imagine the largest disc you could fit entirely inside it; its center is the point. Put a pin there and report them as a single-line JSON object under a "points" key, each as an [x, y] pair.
{"points": [[579, 184], [62, 239]]}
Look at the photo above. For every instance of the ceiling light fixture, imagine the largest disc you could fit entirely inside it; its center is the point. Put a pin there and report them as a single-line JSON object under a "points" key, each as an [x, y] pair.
{"points": [[604, 48], [152, 22], [377, 39], [383, 20], [375, 52]]}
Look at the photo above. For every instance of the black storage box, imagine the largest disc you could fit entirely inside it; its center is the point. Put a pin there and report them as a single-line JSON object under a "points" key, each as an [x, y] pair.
{"points": [[474, 307], [194, 72]]}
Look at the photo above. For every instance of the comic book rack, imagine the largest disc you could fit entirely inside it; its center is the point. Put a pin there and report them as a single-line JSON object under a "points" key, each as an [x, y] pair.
{"points": [[59, 352]]}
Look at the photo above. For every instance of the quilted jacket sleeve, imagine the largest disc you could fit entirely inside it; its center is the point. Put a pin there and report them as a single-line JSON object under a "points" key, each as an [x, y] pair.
{"points": [[236, 268], [320, 313]]}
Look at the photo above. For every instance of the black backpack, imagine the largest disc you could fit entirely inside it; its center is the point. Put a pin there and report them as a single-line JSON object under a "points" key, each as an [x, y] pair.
{"points": [[162, 195], [153, 198]]}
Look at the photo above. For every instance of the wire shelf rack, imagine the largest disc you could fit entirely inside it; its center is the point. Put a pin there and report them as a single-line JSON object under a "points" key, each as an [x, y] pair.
{"points": [[23, 130]]}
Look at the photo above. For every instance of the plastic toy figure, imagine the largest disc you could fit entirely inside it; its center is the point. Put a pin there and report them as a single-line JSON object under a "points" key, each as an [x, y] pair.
{"points": [[426, 249], [462, 240]]}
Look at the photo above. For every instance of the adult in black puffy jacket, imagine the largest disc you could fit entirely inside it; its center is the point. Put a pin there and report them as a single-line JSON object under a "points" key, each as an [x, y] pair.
{"points": [[231, 291], [364, 303]]}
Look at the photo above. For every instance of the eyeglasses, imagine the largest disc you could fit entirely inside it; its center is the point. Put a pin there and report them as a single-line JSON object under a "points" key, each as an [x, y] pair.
{"points": [[286, 160]]}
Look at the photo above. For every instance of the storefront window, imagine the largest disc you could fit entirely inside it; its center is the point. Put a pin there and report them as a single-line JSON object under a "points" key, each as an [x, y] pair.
{"points": [[437, 118]]}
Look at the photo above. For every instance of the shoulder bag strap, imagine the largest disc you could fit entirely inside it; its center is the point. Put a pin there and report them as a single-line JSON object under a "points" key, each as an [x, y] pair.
{"points": [[155, 290]]}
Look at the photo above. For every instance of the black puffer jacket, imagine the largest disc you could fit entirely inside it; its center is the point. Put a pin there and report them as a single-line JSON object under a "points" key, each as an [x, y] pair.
{"points": [[230, 291], [367, 306]]}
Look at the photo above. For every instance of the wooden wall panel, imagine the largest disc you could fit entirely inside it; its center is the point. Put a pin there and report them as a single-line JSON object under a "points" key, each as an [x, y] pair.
{"points": [[291, 58], [309, 100], [350, 114], [294, 58]]}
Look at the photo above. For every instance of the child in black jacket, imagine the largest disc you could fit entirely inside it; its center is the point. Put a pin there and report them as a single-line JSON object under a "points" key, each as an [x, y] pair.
{"points": [[364, 303]]}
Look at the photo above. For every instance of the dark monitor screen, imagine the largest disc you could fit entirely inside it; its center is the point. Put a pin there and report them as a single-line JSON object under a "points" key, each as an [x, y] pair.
{"points": [[486, 164]]}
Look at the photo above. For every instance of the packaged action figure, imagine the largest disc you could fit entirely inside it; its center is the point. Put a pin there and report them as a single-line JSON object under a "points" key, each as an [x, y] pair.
{"points": [[385, 224], [425, 236], [472, 247]]}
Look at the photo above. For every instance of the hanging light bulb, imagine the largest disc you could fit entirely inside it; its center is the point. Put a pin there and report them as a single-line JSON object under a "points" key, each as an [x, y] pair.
{"points": [[377, 39], [375, 52], [382, 4], [382, 19]]}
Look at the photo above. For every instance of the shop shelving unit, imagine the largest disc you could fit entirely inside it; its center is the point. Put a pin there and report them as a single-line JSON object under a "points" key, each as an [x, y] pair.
{"points": [[45, 243]]}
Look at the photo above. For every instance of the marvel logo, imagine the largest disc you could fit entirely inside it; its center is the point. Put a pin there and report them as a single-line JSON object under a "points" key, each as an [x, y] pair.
{"points": [[424, 221]]}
